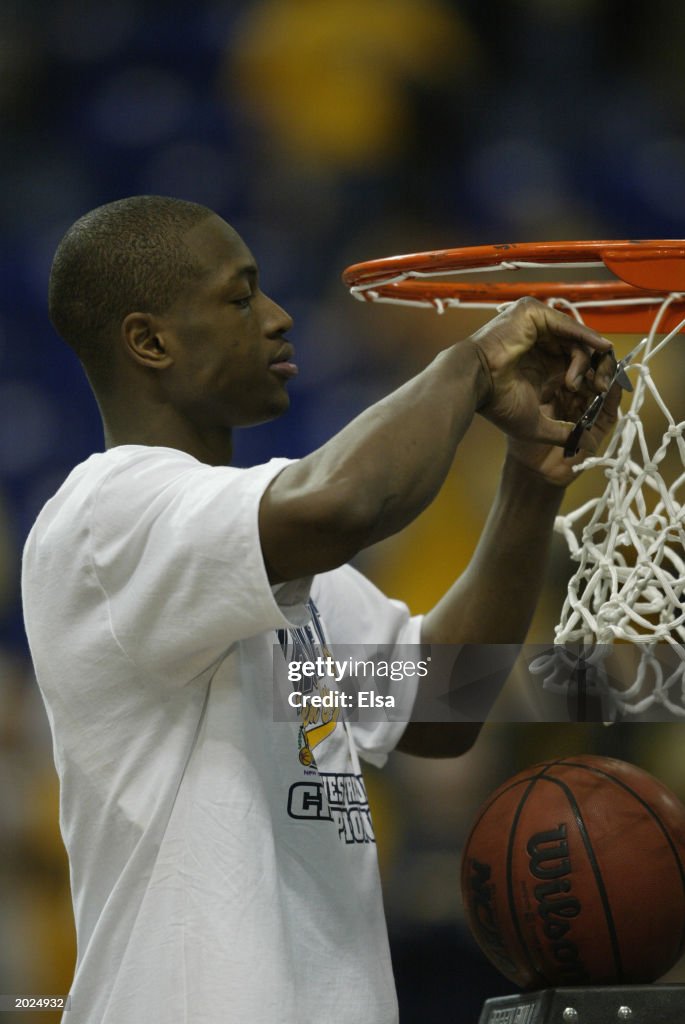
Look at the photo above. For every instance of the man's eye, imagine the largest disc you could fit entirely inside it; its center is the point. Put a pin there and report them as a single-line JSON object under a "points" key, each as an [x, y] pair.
{"points": [[243, 302]]}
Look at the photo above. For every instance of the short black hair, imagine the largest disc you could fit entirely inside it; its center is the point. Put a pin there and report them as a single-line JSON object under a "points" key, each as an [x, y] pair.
{"points": [[119, 258]]}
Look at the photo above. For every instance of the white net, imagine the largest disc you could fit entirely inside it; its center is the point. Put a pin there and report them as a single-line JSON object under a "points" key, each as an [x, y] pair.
{"points": [[621, 634], [629, 546]]}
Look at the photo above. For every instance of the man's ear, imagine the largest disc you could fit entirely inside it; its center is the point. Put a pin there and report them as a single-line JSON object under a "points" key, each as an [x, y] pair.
{"points": [[144, 341]]}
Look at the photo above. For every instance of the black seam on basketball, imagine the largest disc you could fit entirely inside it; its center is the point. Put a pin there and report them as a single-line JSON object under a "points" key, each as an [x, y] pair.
{"points": [[500, 792], [650, 810], [520, 779], [603, 895], [510, 889]]}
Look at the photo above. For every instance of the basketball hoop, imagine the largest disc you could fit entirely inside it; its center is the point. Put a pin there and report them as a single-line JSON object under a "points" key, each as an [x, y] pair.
{"points": [[629, 544], [645, 273]]}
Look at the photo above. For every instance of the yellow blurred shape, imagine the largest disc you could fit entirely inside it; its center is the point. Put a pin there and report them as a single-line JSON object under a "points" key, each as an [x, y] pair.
{"points": [[330, 80]]}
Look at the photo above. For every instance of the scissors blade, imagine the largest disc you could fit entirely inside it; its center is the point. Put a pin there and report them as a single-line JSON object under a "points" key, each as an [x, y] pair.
{"points": [[587, 420], [572, 446], [620, 376]]}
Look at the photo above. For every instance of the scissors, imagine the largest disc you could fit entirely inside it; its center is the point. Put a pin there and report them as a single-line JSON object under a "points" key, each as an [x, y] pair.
{"points": [[589, 417]]}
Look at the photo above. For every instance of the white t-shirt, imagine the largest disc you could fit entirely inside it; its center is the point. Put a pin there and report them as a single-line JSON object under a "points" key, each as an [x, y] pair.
{"points": [[217, 874]]}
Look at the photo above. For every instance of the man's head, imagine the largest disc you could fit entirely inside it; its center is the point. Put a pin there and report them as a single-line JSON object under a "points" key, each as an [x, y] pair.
{"points": [[160, 299], [127, 255]]}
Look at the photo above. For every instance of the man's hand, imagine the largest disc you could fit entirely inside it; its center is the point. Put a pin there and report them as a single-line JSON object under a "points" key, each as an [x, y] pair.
{"points": [[549, 461], [539, 362]]}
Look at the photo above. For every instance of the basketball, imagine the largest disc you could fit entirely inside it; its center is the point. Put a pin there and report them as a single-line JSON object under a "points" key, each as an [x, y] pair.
{"points": [[573, 874]]}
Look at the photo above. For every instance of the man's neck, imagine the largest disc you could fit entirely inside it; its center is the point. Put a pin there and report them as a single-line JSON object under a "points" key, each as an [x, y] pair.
{"points": [[214, 448]]}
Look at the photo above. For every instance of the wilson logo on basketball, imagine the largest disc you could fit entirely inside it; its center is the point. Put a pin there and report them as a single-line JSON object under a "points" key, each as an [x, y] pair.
{"points": [[485, 917], [550, 862]]}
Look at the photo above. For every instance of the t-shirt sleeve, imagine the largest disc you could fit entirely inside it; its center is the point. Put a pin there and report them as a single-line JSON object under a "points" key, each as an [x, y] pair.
{"points": [[176, 552], [362, 622]]}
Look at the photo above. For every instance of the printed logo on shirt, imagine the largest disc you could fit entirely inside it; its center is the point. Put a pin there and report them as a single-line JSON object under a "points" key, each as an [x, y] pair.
{"points": [[306, 643], [339, 797]]}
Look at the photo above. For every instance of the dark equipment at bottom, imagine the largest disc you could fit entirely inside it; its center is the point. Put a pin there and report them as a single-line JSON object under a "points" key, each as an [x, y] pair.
{"points": [[611, 1004]]}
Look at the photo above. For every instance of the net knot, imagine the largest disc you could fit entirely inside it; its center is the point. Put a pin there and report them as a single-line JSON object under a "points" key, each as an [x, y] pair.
{"points": [[605, 564], [610, 613], [643, 571]]}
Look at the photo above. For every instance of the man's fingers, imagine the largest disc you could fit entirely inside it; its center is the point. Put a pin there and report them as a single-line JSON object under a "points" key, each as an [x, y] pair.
{"points": [[582, 346], [556, 432], [528, 324], [551, 431], [577, 368], [591, 440], [561, 325], [609, 412], [596, 375], [552, 323], [536, 355], [613, 400]]}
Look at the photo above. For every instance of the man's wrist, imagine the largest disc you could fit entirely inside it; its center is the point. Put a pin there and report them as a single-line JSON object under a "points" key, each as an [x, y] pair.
{"points": [[484, 385], [537, 486], [467, 367]]}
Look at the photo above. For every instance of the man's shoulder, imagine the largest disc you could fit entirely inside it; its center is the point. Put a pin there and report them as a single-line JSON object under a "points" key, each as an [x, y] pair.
{"points": [[126, 489], [126, 464]]}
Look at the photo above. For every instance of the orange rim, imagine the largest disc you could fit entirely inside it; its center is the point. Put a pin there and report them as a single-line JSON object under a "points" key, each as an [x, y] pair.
{"points": [[646, 272]]}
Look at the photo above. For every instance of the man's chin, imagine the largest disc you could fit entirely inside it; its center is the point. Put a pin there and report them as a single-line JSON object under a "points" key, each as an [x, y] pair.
{"points": [[276, 409]]}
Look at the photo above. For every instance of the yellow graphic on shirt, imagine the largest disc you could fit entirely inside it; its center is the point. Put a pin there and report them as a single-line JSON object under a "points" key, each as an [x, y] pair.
{"points": [[316, 724]]}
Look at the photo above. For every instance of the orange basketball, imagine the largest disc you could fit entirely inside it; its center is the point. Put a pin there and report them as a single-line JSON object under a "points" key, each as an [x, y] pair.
{"points": [[573, 874]]}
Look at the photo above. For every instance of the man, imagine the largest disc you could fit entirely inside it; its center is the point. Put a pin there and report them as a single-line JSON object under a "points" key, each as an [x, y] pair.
{"points": [[223, 863]]}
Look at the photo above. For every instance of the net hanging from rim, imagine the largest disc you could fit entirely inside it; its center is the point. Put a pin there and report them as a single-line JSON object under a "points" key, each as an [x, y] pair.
{"points": [[629, 543]]}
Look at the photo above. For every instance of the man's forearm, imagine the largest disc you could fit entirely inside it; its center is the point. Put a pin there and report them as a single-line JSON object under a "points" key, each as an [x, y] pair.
{"points": [[495, 598], [378, 473]]}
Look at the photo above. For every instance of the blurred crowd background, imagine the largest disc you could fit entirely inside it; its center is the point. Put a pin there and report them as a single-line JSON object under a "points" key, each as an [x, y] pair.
{"points": [[327, 132]]}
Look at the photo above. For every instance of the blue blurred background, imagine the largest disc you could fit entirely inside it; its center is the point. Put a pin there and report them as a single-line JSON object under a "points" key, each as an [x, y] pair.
{"points": [[327, 132]]}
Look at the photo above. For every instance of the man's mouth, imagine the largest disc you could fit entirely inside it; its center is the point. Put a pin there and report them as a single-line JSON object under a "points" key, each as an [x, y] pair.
{"points": [[282, 363]]}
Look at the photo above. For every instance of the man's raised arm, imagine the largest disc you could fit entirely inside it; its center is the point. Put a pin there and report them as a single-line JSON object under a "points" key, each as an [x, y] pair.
{"points": [[387, 465]]}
